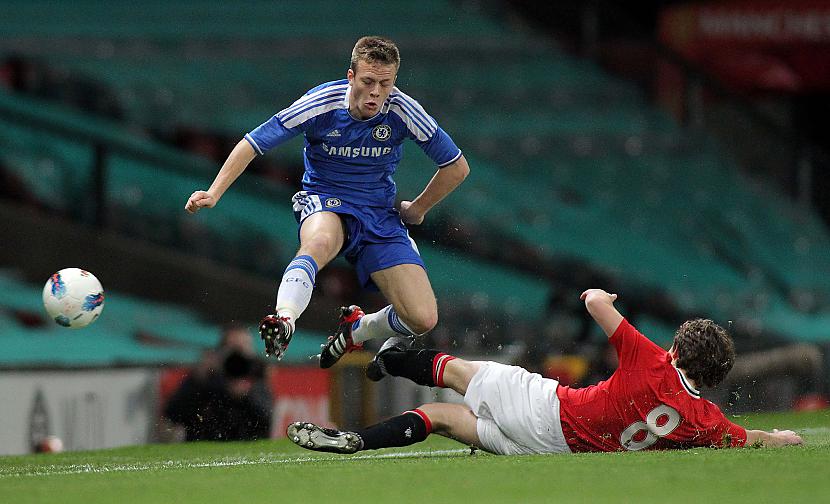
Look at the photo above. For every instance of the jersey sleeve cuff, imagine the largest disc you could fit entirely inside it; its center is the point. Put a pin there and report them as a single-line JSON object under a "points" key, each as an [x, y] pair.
{"points": [[253, 143], [738, 436], [451, 161]]}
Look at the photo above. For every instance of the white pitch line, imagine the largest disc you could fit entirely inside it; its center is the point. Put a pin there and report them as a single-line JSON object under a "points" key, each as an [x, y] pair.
{"points": [[55, 470]]}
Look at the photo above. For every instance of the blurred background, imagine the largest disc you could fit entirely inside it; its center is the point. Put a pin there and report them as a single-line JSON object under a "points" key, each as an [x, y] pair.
{"points": [[673, 152]]}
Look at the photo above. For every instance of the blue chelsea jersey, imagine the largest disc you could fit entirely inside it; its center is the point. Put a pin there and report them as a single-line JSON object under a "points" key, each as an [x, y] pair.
{"points": [[349, 158]]}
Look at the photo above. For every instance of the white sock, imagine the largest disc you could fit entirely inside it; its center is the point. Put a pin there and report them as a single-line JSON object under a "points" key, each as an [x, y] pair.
{"points": [[296, 287], [382, 324]]}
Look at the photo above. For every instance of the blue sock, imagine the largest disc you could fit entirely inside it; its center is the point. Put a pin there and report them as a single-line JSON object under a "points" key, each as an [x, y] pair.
{"points": [[381, 324]]}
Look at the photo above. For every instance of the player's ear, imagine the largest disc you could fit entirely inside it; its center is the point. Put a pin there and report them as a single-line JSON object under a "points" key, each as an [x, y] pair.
{"points": [[350, 75]]}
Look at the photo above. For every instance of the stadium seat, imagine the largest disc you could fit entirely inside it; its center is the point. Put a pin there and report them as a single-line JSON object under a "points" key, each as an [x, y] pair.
{"points": [[565, 158]]}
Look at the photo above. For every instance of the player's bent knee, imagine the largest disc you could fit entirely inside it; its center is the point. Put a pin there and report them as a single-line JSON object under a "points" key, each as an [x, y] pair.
{"points": [[321, 245], [440, 422], [452, 420], [422, 322]]}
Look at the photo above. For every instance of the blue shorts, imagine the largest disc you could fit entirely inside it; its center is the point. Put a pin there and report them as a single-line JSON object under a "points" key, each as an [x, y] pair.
{"points": [[377, 238]]}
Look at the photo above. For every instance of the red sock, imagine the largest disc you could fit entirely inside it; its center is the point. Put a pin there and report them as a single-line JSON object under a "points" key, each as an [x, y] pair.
{"points": [[439, 363], [424, 417]]}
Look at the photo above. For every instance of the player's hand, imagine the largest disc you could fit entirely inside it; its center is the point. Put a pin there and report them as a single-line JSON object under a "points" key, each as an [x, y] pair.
{"points": [[199, 200], [597, 292], [786, 437], [410, 213]]}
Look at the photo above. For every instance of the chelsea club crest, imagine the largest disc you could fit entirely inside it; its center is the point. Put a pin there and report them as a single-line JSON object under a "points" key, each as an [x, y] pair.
{"points": [[381, 132]]}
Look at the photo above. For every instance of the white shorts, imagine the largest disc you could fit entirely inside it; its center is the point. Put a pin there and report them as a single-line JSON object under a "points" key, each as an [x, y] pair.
{"points": [[518, 411]]}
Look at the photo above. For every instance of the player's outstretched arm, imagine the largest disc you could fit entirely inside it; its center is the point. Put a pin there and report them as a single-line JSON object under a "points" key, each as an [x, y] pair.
{"points": [[600, 305], [239, 159], [775, 438], [444, 182]]}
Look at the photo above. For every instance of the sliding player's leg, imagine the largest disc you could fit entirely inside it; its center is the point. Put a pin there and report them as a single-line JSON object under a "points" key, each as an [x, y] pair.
{"points": [[428, 367], [504, 399], [455, 421], [322, 235]]}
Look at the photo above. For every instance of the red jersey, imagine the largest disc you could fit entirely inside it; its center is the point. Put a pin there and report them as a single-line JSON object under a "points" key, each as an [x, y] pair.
{"points": [[646, 404]]}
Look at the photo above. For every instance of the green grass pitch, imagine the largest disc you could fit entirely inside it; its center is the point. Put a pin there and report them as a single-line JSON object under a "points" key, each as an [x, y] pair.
{"points": [[439, 470]]}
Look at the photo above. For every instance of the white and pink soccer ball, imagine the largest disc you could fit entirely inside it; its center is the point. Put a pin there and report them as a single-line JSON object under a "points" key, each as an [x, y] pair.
{"points": [[73, 298]]}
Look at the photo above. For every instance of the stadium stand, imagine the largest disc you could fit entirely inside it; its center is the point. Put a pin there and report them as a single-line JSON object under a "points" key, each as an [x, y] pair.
{"points": [[146, 202], [566, 159], [131, 332]]}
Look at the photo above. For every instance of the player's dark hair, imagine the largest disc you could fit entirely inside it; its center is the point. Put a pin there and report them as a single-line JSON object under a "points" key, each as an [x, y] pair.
{"points": [[374, 49], [705, 351]]}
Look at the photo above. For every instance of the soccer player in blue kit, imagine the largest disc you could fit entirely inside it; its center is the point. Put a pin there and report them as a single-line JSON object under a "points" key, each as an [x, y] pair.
{"points": [[354, 130]]}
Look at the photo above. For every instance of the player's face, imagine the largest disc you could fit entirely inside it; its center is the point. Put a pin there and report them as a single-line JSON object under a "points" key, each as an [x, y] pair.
{"points": [[371, 85]]}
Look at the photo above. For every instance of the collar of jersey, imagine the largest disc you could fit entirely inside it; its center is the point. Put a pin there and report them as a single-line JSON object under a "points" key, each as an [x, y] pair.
{"points": [[346, 104], [686, 385]]}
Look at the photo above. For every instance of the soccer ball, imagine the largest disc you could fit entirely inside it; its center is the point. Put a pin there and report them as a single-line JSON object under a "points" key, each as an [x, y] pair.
{"points": [[73, 297]]}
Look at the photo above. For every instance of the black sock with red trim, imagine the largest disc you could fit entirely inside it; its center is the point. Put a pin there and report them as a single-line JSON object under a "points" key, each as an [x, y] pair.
{"points": [[405, 429], [424, 367]]}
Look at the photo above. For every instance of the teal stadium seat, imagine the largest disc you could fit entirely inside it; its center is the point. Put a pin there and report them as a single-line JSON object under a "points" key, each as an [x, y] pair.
{"points": [[130, 332], [153, 196], [565, 158]]}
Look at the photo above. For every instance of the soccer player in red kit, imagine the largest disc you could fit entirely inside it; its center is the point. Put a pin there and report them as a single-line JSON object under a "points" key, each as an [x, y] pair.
{"points": [[652, 401]]}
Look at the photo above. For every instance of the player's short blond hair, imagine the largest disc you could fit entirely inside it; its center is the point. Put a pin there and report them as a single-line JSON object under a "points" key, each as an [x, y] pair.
{"points": [[374, 49]]}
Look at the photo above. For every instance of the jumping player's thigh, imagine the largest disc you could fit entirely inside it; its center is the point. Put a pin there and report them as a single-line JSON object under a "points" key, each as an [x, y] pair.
{"points": [[454, 421], [407, 288], [321, 236]]}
